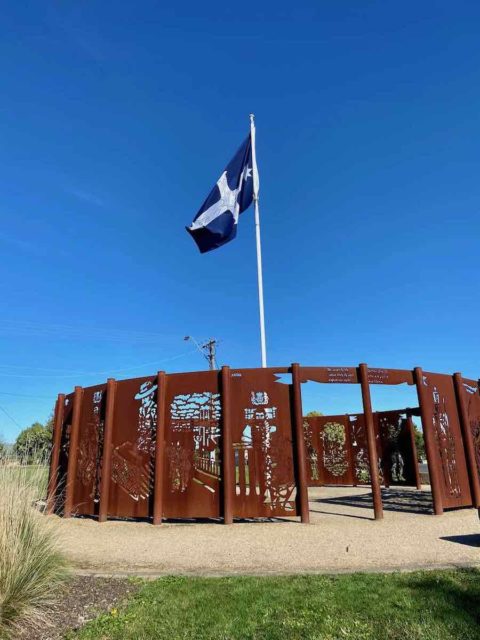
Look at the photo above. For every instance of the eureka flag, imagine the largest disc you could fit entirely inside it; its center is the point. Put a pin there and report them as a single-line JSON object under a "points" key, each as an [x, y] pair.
{"points": [[216, 222]]}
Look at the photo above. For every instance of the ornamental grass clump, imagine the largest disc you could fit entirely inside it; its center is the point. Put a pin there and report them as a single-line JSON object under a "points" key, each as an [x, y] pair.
{"points": [[31, 567]]}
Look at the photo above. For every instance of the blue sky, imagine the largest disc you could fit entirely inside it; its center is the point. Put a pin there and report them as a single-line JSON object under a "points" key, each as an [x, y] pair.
{"points": [[117, 119]]}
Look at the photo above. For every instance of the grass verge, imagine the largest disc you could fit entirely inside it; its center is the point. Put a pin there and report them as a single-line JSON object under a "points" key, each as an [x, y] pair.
{"points": [[436, 605]]}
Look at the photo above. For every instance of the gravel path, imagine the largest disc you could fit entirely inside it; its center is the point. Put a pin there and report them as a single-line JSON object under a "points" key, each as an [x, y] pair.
{"points": [[342, 536]]}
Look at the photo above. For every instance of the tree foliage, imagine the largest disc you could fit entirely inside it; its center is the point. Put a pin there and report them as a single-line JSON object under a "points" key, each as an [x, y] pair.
{"points": [[34, 443], [314, 414], [419, 442]]}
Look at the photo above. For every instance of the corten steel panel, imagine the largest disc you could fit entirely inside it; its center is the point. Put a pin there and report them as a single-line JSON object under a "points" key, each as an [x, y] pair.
{"points": [[360, 457], [390, 376], [192, 464], [398, 460], [329, 374], [90, 443], [330, 453], [312, 447], [133, 448], [443, 422], [64, 451], [471, 400], [262, 442]]}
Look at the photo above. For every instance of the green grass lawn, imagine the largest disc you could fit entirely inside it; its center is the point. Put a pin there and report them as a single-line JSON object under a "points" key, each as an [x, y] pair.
{"points": [[425, 605]]}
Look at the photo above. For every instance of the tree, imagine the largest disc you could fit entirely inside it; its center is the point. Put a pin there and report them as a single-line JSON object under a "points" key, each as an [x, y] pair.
{"points": [[34, 443], [419, 442], [314, 414], [3, 449]]}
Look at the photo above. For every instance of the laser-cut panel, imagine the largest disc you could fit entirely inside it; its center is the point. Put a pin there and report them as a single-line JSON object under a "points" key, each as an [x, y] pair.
{"points": [[312, 450], [329, 450], [90, 448], [360, 455], [471, 400], [61, 480], [442, 421], [192, 463], [133, 448], [262, 443], [390, 376], [398, 459], [336, 450]]}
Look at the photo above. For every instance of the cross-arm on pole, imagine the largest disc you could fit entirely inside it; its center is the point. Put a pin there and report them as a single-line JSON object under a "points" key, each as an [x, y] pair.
{"points": [[259, 244]]}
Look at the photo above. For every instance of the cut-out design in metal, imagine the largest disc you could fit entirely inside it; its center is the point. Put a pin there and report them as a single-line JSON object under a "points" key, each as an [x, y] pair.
{"points": [[359, 449], [193, 453], [312, 453], [446, 443], [147, 417], [90, 447], [439, 405], [262, 409], [258, 434], [471, 399], [130, 472], [262, 444], [394, 436], [334, 448]]}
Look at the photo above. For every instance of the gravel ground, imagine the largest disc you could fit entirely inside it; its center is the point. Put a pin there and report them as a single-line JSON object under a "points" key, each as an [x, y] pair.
{"points": [[342, 536]]}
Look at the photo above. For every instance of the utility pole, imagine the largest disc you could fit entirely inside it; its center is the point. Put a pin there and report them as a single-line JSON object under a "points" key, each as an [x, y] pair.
{"points": [[208, 350]]}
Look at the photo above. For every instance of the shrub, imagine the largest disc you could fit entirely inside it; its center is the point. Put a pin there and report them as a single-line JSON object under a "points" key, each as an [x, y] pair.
{"points": [[31, 567]]}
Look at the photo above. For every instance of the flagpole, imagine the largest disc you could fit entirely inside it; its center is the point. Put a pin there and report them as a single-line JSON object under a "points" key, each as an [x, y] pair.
{"points": [[259, 244]]}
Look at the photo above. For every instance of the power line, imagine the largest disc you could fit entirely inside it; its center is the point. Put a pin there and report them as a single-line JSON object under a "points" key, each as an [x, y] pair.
{"points": [[11, 418], [25, 395], [73, 374]]}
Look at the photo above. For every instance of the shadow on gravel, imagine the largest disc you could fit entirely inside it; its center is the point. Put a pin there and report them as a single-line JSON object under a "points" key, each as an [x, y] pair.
{"points": [[471, 539], [400, 500]]}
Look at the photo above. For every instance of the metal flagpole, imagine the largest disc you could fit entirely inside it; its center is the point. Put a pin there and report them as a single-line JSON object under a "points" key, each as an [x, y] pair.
{"points": [[259, 244]]}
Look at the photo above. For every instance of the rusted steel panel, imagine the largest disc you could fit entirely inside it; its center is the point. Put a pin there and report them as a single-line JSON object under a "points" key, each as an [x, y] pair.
{"points": [[361, 460], [350, 375], [261, 421], [329, 447], [90, 444], [390, 376], [133, 448], [469, 396], [338, 453], [55, 454], [442, 421], [66, 425], [299, 451], [192, 446], [371, 441], [329, 374], [159, 449], [397, 456], [228, 464]]}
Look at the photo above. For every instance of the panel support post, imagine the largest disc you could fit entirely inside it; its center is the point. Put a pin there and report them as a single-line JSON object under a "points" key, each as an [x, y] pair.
{"points": [[55, 455], [73, 452], [107, 450], [299, 446], [371, 443], [413, 446], [159, 449], [467, 440], [228, 467], [433, 470]]}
